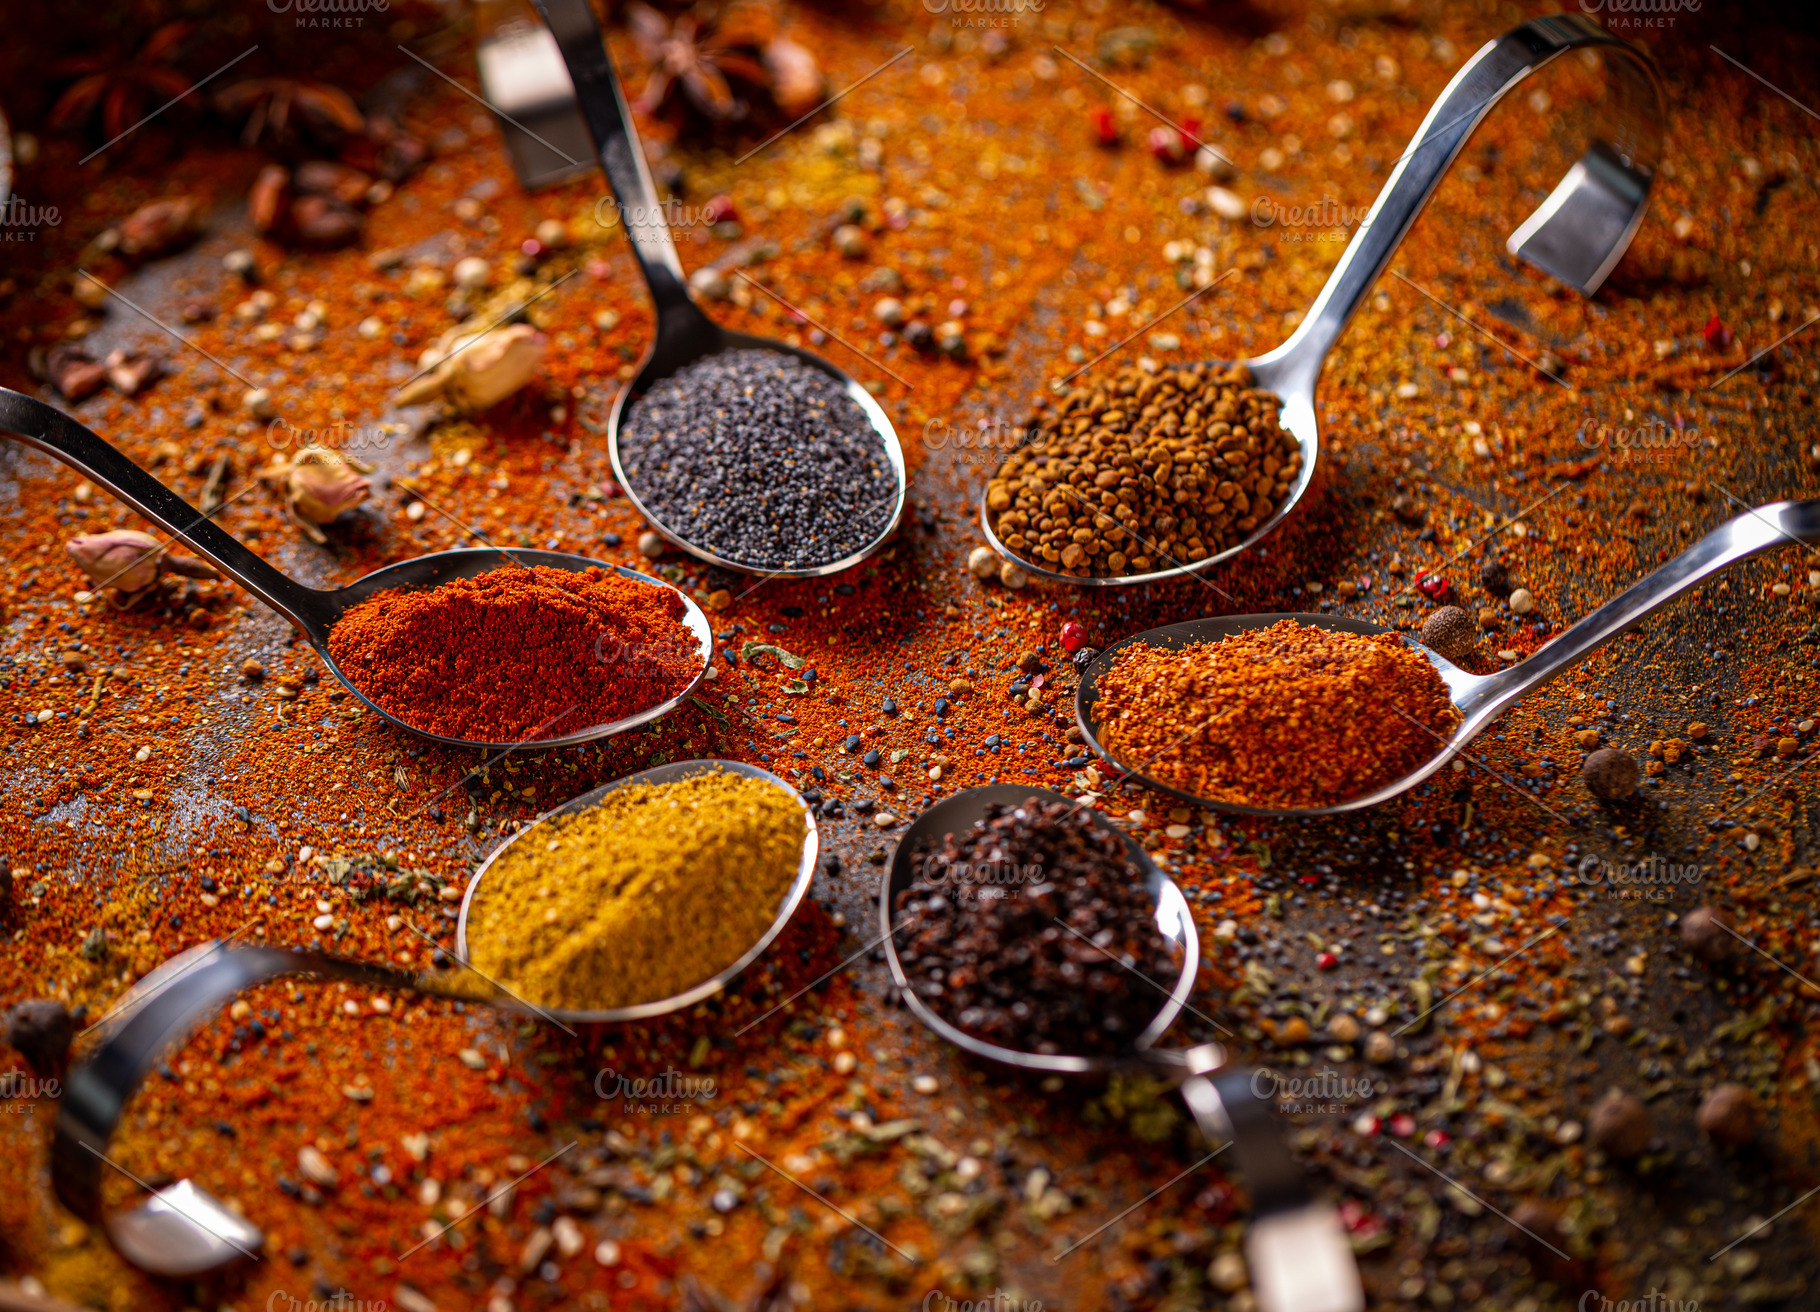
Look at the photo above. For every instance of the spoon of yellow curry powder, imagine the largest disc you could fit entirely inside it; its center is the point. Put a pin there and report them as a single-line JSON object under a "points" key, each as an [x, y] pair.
{"points": [[646, 895]]}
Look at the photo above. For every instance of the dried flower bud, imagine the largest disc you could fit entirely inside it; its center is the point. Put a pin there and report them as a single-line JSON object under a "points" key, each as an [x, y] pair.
{"points": [[266, 201], [130, 560], [496, 366], [338, 181], [477, 372], [321, 484], [73, 373], [130, 373], [158, 227], [323, 222]]}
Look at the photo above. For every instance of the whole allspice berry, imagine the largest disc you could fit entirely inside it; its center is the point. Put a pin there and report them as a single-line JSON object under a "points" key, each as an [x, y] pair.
{"points": [[1706, 934], [1610, 775], [1494, 577], [41, 1030], [1619, 1125], [1729, 1115], [1450, 631]]}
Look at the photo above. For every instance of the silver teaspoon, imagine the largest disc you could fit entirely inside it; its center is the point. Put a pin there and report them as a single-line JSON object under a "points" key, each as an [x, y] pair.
{"points": [[685, 333], [1479, 698], [314, 610], [1577, 235]]}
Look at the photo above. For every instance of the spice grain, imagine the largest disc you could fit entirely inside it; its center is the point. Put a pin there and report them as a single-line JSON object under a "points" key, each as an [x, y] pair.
{"points": [[516, 653], [1288, 716], [641, 896]]}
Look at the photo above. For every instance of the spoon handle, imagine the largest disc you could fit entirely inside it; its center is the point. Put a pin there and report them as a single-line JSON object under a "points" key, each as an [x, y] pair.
{"points": [[1481, 83], [603, 105], [1300, 1257], [57, 434], [160, 1012], [1782, 523]]}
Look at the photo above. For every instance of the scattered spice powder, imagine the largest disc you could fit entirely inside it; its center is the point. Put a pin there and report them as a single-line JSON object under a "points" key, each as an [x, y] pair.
{"points": [[1025, 931], [641, 896], [517, 653], [1288, 716], [1145, 471]]}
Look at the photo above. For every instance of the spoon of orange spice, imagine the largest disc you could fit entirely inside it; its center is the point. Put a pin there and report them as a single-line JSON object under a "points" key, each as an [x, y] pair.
{"points": [[1170, 755]]}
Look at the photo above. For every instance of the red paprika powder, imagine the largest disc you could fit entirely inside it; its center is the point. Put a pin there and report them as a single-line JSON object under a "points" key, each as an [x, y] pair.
{"points": [[518, 653]]}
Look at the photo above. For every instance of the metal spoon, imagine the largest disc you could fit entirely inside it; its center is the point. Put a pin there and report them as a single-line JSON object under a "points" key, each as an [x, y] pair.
{"points": [[1577, 235], [685, 334], [1479, 698], [1300, 1258], [183, 1229], [714, 983], [313, 610]]}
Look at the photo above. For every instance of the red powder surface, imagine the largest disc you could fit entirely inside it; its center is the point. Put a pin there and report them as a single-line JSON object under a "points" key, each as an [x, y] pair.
{"points": [[517, 653]]}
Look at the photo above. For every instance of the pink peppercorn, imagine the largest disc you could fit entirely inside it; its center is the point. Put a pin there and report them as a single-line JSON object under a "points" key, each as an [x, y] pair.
{"points": [[1402, 1125], [1717, 335], [1326, 961], [1166, 145], [1105, 127], [1074, 635], [1434, 587]]}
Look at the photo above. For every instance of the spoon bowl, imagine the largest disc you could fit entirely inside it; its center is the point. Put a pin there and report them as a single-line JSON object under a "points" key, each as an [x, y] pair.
{"points": [[662, 774], [1576, 236], [685, 333], [1479, 698], [314, 610], [1299, 1254], [716, 340], [957, 813], [1462, 686]]}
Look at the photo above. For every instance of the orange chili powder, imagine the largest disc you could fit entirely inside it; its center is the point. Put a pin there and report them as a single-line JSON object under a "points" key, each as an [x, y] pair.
{"points": [[518, 654], [1287, 716]]}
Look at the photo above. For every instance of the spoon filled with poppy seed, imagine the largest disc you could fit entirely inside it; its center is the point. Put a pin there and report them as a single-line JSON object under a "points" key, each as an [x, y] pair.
{"points": [[1300, 715], [745, 452]]}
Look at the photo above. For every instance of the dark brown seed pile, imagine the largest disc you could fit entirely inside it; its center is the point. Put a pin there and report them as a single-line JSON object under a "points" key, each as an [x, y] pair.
{"points": [[1144, 471], [1026, 929]]}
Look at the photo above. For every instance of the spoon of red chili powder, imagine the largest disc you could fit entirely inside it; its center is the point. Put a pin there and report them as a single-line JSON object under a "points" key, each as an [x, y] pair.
{"points": [[519, 654], [476, 648]]}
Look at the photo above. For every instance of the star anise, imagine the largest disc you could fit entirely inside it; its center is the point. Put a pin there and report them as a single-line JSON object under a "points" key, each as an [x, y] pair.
{"points": [[123, 88], [715, 63], [286, 112]]}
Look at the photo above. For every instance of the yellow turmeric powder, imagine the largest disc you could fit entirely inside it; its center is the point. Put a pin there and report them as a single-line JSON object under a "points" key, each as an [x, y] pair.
{"points": [[640, 897]]}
